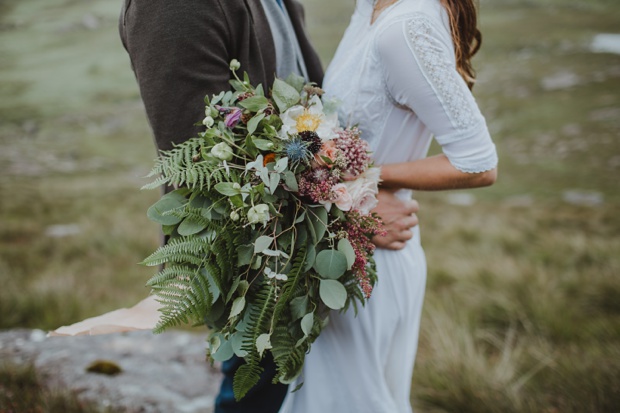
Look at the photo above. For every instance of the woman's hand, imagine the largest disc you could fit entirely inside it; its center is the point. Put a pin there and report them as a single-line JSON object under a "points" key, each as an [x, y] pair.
{"points": [[398, 218]]}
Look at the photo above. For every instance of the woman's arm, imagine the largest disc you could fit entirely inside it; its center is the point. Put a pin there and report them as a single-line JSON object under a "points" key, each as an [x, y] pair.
{"points": [[432, 174], [420, 74]]}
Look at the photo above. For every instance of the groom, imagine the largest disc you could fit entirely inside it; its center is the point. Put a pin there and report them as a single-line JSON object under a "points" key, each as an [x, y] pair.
{"points": [[180, 52]]}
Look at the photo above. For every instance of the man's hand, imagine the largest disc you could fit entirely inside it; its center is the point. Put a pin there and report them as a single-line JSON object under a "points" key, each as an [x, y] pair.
{"points": [[398, 218]]}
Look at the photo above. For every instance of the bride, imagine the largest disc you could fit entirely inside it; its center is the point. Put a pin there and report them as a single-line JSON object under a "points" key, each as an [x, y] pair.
{"points": [[402, 72]]}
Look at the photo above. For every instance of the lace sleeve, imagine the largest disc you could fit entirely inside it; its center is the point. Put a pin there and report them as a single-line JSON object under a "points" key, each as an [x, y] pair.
{"points": [[420, 74]]}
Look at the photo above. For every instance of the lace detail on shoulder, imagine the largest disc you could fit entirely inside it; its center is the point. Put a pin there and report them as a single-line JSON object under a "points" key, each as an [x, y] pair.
{"points": [[439, 71]]}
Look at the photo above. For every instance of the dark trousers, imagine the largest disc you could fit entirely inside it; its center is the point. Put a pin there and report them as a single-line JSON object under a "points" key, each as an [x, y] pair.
{"points": [[265, 397]]}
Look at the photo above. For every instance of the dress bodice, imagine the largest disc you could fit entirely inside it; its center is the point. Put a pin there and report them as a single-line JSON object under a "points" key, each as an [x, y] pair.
{"points": [[397, 80]]}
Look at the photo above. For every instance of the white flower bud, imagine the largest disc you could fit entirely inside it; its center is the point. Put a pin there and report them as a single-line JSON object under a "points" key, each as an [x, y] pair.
{"points": [[234, 216], [208, 121], [258, 213], [234, 64], [222, 151]]}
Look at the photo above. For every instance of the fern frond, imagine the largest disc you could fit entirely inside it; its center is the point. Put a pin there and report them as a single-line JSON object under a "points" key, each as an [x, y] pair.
{"points": [[246, 377], [290, 286], [288, 358], [180, 250], [260, 310], [183, 299], [172, 272]]}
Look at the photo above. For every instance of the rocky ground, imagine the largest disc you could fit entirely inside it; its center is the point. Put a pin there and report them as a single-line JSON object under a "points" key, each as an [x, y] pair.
{"points": [[158, 373]]}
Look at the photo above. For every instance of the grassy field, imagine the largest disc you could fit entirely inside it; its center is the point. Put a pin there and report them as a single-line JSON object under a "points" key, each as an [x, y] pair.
{"points": [[523, 302]]}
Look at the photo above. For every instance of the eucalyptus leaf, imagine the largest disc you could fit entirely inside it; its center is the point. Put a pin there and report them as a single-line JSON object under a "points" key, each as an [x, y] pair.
{"points": [[291, 181], [299, 307], [296, 81], [191, 226], [333, 294], [255, 103], [237, 307], [281, 165], [262, 243], [263, 342], [250, 147], [263, 144], [284, 95], [306, 323], [344, 246], [227, 188], [274, 180], [318, 217], [224, 352], [167, 203], [244, 254], [331, 264], [253, 123]]}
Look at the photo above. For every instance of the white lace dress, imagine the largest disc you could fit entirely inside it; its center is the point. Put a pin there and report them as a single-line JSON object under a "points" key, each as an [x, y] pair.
{"points": [[397, 79]]}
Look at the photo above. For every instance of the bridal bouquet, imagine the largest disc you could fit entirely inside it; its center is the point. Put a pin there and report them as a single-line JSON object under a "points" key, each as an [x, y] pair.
{"points": [[269, 228]]}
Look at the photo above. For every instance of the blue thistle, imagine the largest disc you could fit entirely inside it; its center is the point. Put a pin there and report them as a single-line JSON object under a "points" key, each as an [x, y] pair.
{"points": [[297, 151]]}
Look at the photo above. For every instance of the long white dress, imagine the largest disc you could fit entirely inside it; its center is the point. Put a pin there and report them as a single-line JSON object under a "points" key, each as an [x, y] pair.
{"points": [[397, 79]]}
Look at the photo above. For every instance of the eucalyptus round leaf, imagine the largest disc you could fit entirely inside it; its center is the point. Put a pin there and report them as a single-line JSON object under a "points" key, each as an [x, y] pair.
{"points": [[191, 226], [224, 352], [330, 264], [262, 243], [306, 323], [333, 294], [157, 211], [344, 246], [299, 306]]}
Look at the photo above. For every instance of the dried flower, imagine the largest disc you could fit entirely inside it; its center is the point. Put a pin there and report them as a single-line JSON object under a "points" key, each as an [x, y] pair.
{"points": [[233, 117]]}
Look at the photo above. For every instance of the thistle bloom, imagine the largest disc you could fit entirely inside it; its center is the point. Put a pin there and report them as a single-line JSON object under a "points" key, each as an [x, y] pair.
{"points": [[259, 214], [222, 151], [297, 151], [300, 119]]}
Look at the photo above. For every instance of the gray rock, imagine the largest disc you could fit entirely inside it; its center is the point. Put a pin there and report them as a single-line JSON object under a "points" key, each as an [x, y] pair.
{"points": [[160, 373], [583, 198]]}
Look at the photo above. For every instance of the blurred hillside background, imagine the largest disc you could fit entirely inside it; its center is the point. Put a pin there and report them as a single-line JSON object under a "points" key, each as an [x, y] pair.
{"points": [[522, 311]]}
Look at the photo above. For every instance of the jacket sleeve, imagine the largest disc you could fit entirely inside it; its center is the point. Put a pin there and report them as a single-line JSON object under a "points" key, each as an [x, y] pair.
{"points": [[420, 73], [179, 52]]}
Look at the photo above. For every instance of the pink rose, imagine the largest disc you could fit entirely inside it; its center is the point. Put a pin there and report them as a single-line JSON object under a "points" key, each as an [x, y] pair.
{"points": [[364, 189], [342, 198], [328, 150]]}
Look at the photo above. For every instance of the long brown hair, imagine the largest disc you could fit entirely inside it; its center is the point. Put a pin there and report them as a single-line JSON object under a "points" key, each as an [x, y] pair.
{"points": [[465, 35]]}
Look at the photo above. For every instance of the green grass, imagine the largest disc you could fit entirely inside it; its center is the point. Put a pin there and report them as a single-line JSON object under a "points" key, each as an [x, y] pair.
{"points": [[522, 311], [21, 392]]}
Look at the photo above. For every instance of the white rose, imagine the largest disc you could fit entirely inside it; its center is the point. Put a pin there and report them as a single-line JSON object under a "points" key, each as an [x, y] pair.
{"points": [[364, 189]]}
